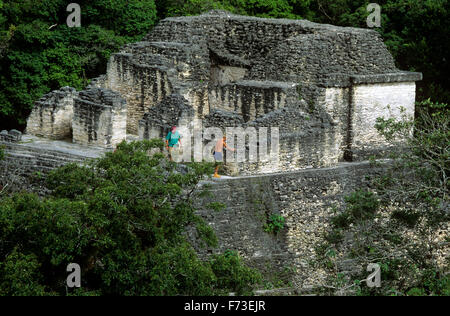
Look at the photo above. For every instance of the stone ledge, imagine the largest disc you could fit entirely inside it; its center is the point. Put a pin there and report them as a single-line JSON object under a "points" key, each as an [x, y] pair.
{"points": [[340, 80], [403, 76], [228, 16], [264, 84], [292, 174], [37, 144]]}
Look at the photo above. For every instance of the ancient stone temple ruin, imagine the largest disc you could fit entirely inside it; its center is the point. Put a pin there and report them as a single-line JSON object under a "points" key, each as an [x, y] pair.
{"points": [[323, 86]]}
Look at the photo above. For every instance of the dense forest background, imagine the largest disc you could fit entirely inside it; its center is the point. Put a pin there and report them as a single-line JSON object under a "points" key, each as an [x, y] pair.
{"points": [[40, 53]]}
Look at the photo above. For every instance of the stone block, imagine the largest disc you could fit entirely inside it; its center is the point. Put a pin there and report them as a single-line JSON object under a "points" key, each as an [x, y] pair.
{"points": [[100, 117], [51, 116]]}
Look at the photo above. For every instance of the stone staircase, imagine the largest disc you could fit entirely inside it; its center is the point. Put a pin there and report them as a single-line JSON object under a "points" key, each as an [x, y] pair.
{"points": [[35, 154], [34, 160]]}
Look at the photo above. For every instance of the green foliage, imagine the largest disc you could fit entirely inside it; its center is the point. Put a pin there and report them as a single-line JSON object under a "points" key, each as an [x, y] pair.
{"points": [[261, 8], [2, 152], [361, 205], [335, 236], [275, 224], [408, 217], [21, 275], [435, 283], [123, 219], [416, 292], [231, 273], [36, 58]]}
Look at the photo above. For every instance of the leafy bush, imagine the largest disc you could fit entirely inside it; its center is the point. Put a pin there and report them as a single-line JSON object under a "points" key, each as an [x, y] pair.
{"points": [[231, 273], [421, 151], [408, 217], [361, 205], [274, 224]]}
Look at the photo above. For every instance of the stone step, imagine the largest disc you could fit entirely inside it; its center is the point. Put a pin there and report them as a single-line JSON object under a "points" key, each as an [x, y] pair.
{"points": [[49, 158], [28, 159], [27, 169], [37, 166], [45, 155], [40, 151]]}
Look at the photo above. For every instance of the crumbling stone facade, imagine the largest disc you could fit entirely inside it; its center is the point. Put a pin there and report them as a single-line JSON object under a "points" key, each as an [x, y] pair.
{"points": [[52, 114], [323, 86], [100, 118], [91, 117], [161, 117]]}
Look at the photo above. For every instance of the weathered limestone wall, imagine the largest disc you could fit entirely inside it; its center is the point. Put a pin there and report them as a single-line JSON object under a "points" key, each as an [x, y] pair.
{"points": [[100, 118], [388, 100], [355, 102], [174, 110], [252, 99], [142, 86], [305, 198], [36, 154], [309, 58], [52, 114], [258, 66]]}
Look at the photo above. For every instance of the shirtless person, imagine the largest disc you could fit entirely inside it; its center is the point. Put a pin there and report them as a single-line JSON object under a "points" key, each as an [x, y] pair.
{"points": [[218, 154]]}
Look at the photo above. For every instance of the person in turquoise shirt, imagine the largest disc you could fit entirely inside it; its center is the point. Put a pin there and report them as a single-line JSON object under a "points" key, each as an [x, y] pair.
{"points": [[172, 139]]}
